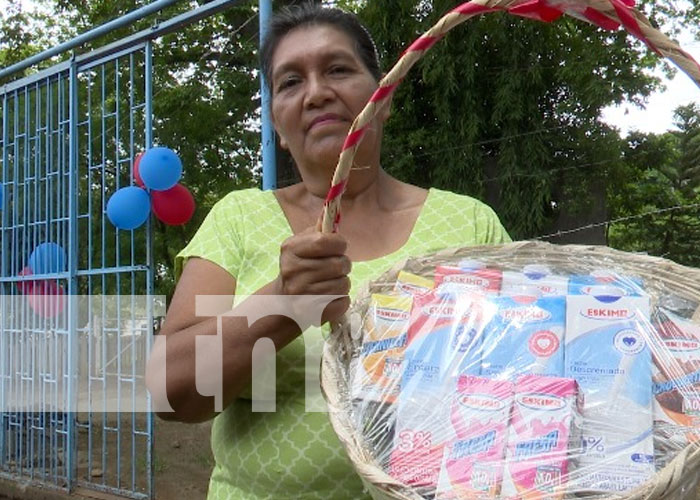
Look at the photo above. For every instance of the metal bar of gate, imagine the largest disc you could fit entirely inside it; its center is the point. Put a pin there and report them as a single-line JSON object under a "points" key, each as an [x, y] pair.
{"points": [[62, 156]]}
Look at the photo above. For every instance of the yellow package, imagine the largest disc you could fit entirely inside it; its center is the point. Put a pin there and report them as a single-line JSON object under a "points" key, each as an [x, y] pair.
{"points": [[379, 366], [408, 283]]}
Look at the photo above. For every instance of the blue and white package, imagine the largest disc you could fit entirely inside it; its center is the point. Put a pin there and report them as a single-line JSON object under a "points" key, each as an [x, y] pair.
{"points": [[444, 339], [534, 276], [525, 337], [602, 282], [607, 352]]}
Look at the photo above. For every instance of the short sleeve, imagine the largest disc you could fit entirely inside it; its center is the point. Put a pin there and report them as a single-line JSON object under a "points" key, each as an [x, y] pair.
{"points": [[218, 239], [491, 228]]}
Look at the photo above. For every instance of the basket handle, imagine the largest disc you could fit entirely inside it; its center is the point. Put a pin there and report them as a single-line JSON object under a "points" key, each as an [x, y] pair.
{"points": [[607, 14]]}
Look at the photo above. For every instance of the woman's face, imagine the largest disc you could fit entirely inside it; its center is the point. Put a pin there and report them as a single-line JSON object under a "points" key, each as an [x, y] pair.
{"points": [[319, 86]]}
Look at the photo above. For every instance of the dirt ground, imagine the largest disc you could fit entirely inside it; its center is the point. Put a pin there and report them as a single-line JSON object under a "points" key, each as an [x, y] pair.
{"points": [[183, 460]]}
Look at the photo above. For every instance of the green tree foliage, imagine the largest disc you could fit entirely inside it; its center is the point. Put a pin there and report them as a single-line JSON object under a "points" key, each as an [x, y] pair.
{"points": [[25, 32], [504, 108], [661, 179], [507, 109]]}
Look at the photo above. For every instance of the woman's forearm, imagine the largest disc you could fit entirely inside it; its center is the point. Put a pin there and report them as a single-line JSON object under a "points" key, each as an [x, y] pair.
{"points": [[181, 368]]}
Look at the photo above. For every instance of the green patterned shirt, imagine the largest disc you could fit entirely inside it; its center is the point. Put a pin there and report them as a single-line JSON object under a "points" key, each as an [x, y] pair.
{"points": [[293, 453]]}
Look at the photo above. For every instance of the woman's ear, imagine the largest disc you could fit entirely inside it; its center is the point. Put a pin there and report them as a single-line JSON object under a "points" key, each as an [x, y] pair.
{"points": [[282, 142]]}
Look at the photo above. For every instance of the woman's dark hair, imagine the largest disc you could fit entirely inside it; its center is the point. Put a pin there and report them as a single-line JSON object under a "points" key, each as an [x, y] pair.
{"points": [[311, 14]]}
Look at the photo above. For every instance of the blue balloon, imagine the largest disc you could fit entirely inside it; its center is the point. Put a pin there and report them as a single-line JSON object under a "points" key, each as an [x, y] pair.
{"points": [[129, 207], [48, 258], [160, 168]]}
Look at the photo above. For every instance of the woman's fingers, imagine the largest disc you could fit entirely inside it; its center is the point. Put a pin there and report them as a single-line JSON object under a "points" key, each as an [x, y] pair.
{"points": [[313, 276], [311, 244], [312, 263]]}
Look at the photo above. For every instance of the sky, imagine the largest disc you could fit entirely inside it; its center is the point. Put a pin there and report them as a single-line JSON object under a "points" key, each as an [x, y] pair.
{"points": [[658, 115]]}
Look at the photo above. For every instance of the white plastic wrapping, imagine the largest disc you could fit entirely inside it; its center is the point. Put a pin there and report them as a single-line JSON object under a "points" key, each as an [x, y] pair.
{"points": [[523, 371]]}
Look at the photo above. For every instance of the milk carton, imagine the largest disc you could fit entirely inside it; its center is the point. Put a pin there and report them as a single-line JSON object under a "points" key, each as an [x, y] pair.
{"points": [[534, 276], [542, 427], [444, 337], [412, 284], [607, 352], [676, 376], [421, 432], [472, 464], [476, 278], [379, 366], [605, 279], [444, 340], [526, 336]]}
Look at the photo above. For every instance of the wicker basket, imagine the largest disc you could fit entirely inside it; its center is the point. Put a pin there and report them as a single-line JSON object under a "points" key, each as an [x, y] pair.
{"points": [[662, 278], [679, 478]]}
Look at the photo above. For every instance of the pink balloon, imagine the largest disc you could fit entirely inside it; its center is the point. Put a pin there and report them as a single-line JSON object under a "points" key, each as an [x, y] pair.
{"points": [[25, 287], [137, 174], [47, 299], [174, 206]]}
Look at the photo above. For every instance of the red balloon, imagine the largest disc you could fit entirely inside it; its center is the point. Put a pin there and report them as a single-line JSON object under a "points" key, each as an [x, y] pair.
{"points": [[47, 298], [174, 206], [25, 287], [137, 174]]}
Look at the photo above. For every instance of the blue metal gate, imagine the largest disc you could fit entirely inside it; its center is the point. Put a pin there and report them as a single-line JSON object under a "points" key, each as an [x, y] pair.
{"points": [[76, 309]]}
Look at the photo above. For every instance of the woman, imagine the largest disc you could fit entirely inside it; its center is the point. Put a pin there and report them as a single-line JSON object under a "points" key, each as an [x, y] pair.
{"points": [[322, 67]]}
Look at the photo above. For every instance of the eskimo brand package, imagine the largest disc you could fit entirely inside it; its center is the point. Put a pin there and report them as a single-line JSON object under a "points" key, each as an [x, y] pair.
{"points": [[526, 336], [676, 377], [537, 276], [412, 284], [444, 337], [465, 279], [422, 429], [542, 428], [444, 340], [607, 352], [379, 366], [472, 463], [605, 281]]}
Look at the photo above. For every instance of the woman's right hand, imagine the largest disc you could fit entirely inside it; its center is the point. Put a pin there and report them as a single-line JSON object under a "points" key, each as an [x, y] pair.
{"points": [[315, 263]]}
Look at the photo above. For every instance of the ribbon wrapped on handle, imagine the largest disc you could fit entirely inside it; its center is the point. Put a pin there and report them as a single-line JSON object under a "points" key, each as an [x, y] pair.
{"points": [[607, 14]]}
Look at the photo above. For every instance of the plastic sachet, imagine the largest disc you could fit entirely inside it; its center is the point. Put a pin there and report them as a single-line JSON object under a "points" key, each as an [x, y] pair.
{"points": [[521, 371]]}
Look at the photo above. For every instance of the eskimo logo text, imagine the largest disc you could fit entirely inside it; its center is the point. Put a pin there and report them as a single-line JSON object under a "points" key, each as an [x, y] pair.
{"points": [[483, 402], [538, 401], [605, 313], [524, 314]]}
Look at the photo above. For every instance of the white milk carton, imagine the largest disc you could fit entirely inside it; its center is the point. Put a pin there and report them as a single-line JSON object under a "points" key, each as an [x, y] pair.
{"points": [[534, 276], [525, 337], [614, 282], [676, 386], [444, 340], [607, 352]]}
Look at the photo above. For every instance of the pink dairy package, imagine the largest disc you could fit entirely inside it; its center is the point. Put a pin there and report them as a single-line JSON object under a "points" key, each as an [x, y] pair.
{"points": [[542, 438], [472, 462], [470, 277]]}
